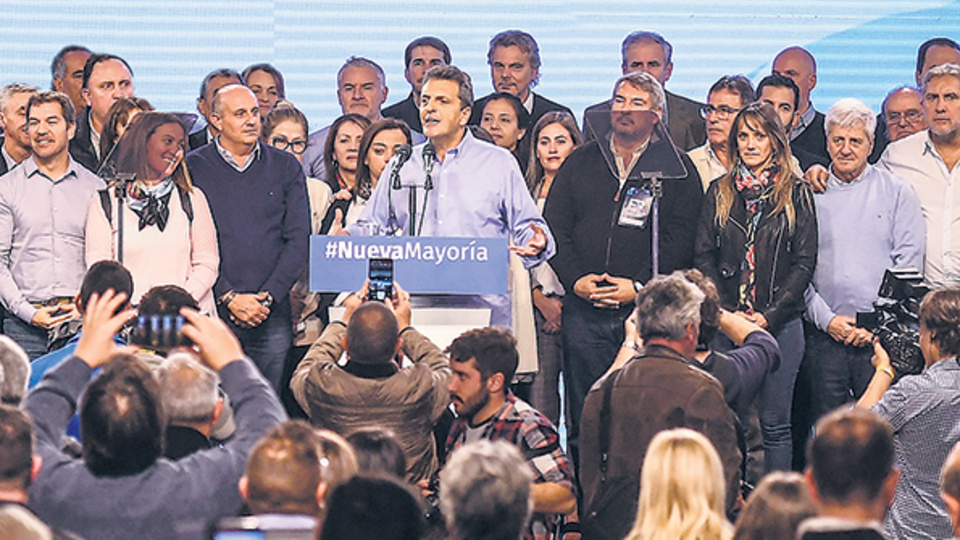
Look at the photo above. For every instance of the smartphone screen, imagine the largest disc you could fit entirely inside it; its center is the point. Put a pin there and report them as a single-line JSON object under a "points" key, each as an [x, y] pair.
{"points": [[381, 279]]}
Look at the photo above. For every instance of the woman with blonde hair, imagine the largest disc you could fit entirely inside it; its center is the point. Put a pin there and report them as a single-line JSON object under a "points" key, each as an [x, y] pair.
{"points": [[757, 240], [682, 490]]}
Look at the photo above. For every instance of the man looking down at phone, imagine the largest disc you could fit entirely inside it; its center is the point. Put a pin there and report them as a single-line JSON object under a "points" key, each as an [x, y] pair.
{"points": [[372, 389], [464, 187], [123, 488]]}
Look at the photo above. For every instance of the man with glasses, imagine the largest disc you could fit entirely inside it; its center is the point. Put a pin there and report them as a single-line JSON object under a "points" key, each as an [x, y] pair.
{"points": [[725, 99], [903, 113]]}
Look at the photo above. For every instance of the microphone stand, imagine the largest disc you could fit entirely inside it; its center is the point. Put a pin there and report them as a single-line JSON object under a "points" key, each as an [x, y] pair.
{"points": [[412, 228], [120, 183]]}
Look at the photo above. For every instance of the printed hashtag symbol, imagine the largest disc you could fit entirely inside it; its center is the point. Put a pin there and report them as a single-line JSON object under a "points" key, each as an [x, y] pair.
{"points": [[331, 250]]}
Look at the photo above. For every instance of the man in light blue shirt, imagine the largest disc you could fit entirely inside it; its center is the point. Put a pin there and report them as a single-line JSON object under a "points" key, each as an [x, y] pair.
{"points": [[43, 215], [869, 220], [476, 188]]}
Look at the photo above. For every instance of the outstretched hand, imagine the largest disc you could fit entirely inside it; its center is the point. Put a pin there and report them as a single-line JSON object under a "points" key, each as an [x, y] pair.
{"points": [[536, 244], [101, 323]]}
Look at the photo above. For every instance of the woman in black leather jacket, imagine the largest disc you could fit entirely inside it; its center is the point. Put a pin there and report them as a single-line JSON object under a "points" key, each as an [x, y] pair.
{"points": [[757, 240]]}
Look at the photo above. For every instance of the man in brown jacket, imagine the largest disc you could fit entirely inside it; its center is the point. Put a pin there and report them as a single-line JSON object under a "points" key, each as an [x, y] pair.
{"points": [[371, 388], [657, 389]]}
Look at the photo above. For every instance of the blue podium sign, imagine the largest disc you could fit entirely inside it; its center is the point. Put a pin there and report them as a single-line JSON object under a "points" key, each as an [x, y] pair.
{"points": [[438, 265]]}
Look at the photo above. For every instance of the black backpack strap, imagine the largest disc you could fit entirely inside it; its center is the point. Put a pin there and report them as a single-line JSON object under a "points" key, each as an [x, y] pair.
{"points": [[185, 202], [106, 203], [605, 411]]}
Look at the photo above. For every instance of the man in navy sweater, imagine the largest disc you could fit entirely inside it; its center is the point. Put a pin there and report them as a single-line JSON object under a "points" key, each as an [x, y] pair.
{"points": [[258, 199]]}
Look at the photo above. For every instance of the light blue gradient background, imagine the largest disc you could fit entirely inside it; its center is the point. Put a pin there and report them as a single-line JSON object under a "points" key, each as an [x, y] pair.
{"points": [[864, 48]]}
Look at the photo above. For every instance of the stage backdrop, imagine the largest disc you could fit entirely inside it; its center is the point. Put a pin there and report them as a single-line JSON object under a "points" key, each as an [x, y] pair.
{"points": [[864, 47]]}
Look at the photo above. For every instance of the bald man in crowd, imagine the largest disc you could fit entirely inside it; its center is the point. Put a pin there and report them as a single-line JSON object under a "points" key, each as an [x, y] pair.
{"points": [[800, 66]]}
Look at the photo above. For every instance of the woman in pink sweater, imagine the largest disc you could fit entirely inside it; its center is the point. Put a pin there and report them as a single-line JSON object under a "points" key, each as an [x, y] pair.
{"points": [[168, 233]]}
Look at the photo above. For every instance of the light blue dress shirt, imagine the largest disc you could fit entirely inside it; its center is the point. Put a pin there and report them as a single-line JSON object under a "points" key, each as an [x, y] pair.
{"points": [[478, 191]]}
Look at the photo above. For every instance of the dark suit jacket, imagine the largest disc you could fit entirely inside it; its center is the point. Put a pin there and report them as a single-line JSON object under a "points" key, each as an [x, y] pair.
{"points": [[407, 111], [3, 162], [198, 139], [687, 129], [81, 147], [813, 139]]}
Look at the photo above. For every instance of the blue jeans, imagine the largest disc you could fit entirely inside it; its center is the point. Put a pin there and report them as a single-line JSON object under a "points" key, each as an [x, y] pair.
{"points": [[32, 338], [776, 399], [591, 340], [839, 373], [267, 344]]}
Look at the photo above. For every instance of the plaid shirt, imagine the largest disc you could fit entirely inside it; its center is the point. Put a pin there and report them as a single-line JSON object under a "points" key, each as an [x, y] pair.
{"points": [[520, 424]]}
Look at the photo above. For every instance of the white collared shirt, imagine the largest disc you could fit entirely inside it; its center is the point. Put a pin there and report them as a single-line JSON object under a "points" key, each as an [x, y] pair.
{"points": [[916, 160]]}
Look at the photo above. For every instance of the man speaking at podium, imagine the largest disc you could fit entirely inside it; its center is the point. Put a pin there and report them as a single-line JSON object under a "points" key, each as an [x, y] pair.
{"points": [[456, 185]]}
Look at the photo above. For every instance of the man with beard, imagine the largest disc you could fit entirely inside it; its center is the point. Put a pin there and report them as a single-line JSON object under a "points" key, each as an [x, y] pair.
{"points": [[928, 160], [598, 210], [483, 362]]}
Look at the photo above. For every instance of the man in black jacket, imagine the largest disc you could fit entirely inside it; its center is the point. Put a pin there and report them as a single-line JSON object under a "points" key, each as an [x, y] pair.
{"points": [[106, 78], [598, 209]]}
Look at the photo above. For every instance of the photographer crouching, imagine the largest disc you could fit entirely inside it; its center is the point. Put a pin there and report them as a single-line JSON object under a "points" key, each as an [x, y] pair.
{"points": [[924, 411]]}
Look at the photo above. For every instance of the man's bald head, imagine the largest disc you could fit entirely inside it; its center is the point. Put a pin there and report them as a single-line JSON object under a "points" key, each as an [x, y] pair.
{"points": [[798, 64], [372, 334]]}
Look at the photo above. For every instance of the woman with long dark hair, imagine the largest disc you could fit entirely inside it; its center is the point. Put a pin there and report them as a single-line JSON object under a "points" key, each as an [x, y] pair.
{"points": [[553, 138], [757, 240], [341, 156]]}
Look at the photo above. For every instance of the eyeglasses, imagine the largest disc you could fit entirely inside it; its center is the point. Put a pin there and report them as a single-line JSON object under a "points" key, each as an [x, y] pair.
{"points": [[912, 116], [723, 112], [297, 147]]}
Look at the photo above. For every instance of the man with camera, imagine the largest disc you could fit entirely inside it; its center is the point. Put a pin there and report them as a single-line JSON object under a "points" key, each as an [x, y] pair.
{"points": [[924, 411], [123, 488], [372, 389]]}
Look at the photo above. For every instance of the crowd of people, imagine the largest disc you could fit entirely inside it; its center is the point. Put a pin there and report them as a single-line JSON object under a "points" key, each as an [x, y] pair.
{"points": [[692, 271]]}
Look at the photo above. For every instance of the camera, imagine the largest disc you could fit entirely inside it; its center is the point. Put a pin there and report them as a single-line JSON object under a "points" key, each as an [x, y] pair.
{"points": [[895, 319]]}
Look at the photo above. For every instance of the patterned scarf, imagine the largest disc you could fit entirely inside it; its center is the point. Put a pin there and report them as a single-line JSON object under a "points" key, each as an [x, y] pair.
{"points": [[151, 203], [754, 189]]}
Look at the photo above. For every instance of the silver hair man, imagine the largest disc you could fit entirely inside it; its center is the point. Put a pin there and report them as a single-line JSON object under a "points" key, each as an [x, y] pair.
{"points": [[485, 492], [666, 306], [850, 113], [188, 390], [14, 372]]}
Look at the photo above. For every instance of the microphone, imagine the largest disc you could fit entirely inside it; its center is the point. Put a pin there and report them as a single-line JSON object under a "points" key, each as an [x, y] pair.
{"points": [[429, 153], [403, 154]]}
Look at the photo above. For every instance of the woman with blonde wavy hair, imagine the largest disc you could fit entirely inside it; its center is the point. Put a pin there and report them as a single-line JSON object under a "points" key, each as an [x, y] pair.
{"points": [[682, 490]]}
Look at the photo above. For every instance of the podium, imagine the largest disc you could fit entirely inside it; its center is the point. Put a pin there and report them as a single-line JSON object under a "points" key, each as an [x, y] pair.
{"points": [[426, 267]]}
